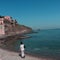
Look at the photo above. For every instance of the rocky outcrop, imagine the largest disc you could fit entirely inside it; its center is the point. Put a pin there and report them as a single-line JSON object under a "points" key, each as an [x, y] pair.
{"points": [[23, 29]]}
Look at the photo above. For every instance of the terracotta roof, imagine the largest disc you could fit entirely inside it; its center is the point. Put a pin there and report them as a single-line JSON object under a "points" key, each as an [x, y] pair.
{"points": [[7, 17]]}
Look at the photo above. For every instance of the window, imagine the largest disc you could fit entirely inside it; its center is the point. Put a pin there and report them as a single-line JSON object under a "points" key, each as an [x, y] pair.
{"points": [[1, 26]]}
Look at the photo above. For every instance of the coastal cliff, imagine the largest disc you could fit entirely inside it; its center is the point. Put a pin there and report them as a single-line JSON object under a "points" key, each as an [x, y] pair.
{"points": [[22, 29], [11, 30], [10, 26]]}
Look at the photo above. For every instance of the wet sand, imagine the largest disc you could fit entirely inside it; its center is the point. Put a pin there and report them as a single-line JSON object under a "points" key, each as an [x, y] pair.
{"points": [[9, 55]]}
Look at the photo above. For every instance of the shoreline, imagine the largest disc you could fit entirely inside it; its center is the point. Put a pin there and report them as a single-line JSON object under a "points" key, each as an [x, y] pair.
{"points": [[30, 57], [8, 48], [28, 54], [39, 56]]}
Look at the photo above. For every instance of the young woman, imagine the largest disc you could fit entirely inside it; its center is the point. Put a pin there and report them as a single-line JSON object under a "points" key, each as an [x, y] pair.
{"points": [[22, 49]]}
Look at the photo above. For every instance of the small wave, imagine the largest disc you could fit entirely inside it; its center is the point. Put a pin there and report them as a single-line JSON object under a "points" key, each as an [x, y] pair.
{"points": [[36, 48], [44, 48]]}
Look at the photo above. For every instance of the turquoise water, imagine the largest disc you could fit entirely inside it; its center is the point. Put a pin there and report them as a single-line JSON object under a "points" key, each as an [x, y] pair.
{"points": [[43, 43]]}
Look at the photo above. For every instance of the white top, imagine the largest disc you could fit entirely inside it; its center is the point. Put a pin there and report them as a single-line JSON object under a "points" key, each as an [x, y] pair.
{"points": [[22, 47]]}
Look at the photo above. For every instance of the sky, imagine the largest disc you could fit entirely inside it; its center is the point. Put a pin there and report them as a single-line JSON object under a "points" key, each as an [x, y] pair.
{"points": [[43, 14]]}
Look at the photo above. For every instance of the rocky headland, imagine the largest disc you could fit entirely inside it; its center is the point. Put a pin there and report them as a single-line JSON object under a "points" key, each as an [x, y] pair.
{"points": [[11, 30]]}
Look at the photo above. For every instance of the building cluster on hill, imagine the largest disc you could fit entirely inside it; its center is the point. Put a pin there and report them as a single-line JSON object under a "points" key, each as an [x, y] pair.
{"points": [[10, 26]]}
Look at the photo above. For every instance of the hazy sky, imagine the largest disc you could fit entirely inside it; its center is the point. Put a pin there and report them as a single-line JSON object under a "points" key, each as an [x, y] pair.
{"points": [[34, 13]]}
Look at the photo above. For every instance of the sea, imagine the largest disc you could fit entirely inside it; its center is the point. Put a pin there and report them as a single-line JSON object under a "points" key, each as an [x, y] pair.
{"points": [[45, 43]]}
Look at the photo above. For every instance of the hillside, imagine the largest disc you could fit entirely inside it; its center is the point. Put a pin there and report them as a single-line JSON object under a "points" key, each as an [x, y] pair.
{"points": [[23, 29], [10, 26]]}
